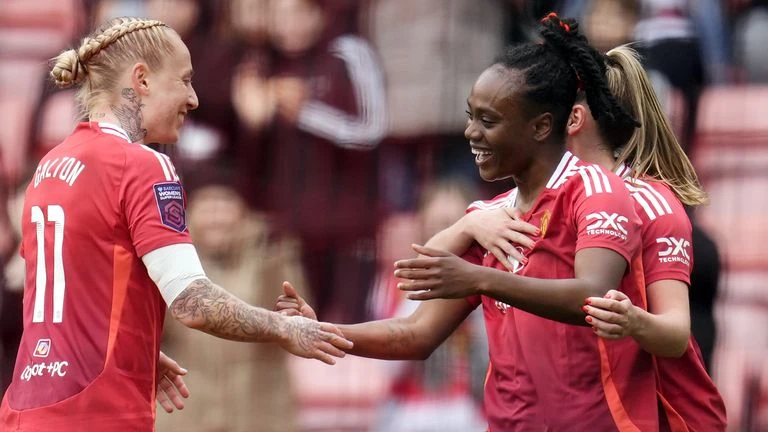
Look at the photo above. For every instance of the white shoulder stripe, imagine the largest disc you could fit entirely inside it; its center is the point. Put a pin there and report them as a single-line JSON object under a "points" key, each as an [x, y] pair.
{"points": [[644, 204], [171, 168], [597, 182], [159, 157], [650, 200], [656, 193], [606, 182], [587, 182]]}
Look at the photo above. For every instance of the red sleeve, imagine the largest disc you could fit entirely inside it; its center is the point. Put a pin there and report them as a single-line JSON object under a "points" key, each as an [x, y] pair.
{"points": [[667, 250], [604, 213], [475, 256], [153, 201]]}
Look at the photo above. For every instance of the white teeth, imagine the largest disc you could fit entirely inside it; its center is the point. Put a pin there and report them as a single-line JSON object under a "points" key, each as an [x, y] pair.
{"points": [[481, 153]]}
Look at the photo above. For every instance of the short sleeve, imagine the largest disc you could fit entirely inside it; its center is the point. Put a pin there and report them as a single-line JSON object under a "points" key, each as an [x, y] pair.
{"points": [[667, 251], [153, 201], [475, 256], [604, 213]]}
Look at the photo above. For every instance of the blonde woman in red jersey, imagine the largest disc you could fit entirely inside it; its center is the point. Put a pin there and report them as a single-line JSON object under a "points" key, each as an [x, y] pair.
{"points": [[107, 249], [661, 180]]}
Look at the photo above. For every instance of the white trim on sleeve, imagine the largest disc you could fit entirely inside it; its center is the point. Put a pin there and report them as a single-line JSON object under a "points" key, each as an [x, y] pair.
{"points": [[173, 268]]}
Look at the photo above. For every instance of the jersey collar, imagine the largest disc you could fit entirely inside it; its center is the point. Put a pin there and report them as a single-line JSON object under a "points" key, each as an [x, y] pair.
{"points": [[113, 129]]}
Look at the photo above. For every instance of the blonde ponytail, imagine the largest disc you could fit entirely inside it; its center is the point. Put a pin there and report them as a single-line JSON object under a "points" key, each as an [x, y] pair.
{"points": [[653, 150]]}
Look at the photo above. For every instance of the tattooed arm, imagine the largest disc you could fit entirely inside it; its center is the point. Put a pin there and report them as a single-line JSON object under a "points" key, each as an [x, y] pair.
{"points": [[207, 307]]}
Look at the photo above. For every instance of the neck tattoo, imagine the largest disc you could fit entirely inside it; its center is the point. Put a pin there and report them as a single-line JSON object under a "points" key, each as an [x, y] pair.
{"points": [[129, 115]]}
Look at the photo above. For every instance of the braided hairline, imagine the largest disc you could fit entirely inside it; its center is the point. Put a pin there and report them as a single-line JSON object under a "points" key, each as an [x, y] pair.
{"points": [[93, 45], [589, 66]]}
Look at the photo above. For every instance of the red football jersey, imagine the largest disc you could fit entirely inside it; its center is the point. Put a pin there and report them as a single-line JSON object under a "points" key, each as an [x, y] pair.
{"points": [[547, 375], [92, 316], [688, 395]]}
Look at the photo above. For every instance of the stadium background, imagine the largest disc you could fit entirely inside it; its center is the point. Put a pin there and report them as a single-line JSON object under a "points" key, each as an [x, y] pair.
{"points": [[386, 150]]}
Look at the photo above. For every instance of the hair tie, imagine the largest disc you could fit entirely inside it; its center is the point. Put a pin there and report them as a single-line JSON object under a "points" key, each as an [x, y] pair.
{"points": [[79, 63], [564, 25]]}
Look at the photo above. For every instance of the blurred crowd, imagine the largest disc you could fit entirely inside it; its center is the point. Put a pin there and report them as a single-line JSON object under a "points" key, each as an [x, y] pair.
{"points": [[329, 138]]}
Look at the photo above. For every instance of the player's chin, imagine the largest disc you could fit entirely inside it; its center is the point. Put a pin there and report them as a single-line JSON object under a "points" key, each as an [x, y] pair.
{"points": [[170, 137], [491, 174]]}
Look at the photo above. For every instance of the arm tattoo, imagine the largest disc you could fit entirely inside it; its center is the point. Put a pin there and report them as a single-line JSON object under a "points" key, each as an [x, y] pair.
{"points": [[221, 314], [400, 340], [129, 115]]}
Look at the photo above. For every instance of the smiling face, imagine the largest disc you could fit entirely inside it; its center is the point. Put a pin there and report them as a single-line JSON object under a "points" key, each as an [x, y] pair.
{"points": [[499, 132], [170, 96]]}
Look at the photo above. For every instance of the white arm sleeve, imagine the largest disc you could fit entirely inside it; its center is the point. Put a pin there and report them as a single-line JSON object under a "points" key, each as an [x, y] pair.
{"points": [[173, 268]]}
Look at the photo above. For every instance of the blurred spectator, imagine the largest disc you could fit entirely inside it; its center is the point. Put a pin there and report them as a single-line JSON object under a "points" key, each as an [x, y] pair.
{"points": [[209, 129], [610, 23], [686, 41], [429, 73], [30, 33], [235, 387], [324, 114], [443, 393], [751, 35]]}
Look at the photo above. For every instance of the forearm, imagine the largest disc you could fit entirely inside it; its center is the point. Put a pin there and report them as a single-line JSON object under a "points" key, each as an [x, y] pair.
{"points": [[663, 335], [390, 339], [555, 299], [207, 307], [453, 239]]}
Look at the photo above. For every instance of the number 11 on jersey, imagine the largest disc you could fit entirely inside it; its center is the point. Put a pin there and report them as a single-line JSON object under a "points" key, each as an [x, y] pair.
{"points": [[55, 215]]}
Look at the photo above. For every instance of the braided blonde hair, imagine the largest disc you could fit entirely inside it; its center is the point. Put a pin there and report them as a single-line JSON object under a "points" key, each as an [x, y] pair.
{"points": [[103, 55], [652, 150]]}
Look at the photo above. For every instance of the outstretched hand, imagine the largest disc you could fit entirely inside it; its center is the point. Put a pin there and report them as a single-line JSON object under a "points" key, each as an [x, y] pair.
{"points": [[290, 303], [438, 274], [311, 339], [171, 389]]}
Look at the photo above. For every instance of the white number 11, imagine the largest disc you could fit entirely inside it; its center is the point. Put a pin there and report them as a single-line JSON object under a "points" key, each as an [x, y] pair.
{"points": [[55, 215]]}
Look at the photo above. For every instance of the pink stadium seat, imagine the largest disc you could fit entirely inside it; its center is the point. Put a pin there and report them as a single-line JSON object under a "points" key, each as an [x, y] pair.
{"points": [[37, 29], [731, 156], [733, 111]]}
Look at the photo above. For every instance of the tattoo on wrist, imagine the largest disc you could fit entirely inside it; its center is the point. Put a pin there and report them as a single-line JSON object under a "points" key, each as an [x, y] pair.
{"points": [[224, 315], [399, 340], [130, 116]]}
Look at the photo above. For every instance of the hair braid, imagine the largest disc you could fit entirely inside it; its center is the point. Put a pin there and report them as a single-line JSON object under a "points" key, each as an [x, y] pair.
{"points": [[92, 46], [588, 64], [98, 63], [71, 66]]}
